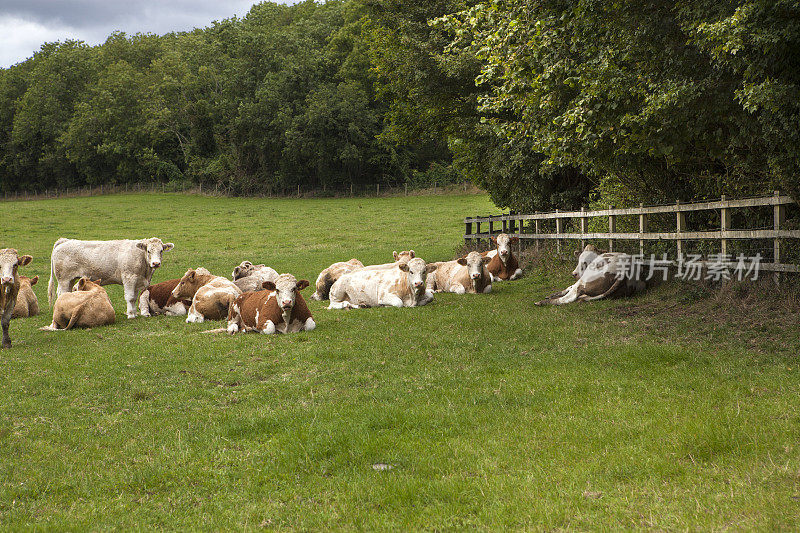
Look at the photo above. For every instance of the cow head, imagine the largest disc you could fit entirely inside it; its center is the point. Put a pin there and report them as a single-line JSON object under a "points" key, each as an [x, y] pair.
{"points": [[153, 248], [286, 288], [416, 273], [585, 259], [190, 283], [25, 280], [475, 263], [86, 284], [403, 256], [10, 261], [245, 268], [503, 243]]}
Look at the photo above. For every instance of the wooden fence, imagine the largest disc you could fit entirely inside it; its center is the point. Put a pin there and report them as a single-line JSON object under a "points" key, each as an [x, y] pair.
{"points": [[515, 224]]}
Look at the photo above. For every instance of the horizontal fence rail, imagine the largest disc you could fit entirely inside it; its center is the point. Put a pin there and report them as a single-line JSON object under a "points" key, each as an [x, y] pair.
{"points": [[515, 224]]}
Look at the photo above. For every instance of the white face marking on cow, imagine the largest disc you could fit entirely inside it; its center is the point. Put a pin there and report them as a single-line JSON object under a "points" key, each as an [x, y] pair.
{"points": [[585, 259], [10, 261], [286, 288], [153, 248], [474, 263], [417, 272], [503, 242]]}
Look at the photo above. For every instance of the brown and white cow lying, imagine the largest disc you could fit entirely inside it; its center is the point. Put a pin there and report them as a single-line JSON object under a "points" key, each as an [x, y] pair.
{"points": [[87, 306], [10, 261], [503, 265], [328, 277], [250, 277], [211, 295], [279, 308], [402, 285], [124, 262], [158, 299], [465, 275], [599, 276], [27, 303]]}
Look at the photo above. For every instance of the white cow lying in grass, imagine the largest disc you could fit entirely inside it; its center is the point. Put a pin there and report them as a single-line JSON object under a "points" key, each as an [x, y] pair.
{"points": [[467, 274], [401, 285], [600, 275]]}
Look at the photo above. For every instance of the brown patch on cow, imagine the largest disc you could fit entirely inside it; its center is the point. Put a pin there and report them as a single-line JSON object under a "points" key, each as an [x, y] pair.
{"points": [[264, 306], [161, 295], [503, 270]]}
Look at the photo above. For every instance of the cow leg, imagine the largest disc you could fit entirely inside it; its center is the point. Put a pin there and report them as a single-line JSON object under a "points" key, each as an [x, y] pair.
{"points": [[487, 290], [193, 316], [144, 303], [6, 321], [516, 275], [310, 324], [131, 289], [459, 288], [269, 328], [428, 298], [344, 304], [393, 300]]}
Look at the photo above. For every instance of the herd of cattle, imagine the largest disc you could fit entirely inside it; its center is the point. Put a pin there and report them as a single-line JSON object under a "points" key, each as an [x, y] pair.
{"points": [[257, 298]]}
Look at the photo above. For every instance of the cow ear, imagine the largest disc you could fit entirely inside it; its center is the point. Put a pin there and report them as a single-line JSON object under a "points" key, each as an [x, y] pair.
{"points": [[99, 281], [576, 253], [24, 260], [403, 266], [246, 264], [395, 255], [514, 240], [192, 274], [34, 280], [269, 285], [494, 239], [168, 246], [412, 254], [430, 268], [590, 248], [462, 261], [302, 284], [81, 284], [486, 260], [141, 245]]}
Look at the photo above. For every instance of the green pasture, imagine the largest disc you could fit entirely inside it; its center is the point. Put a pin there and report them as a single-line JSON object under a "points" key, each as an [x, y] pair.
{"points": [[668, 411]]}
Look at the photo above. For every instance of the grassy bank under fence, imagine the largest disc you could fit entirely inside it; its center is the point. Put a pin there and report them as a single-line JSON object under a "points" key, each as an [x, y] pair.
{"points": [[476, 411]]}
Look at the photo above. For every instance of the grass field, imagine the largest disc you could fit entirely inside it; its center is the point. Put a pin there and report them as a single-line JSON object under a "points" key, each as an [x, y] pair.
{"points": [[490, 412]]}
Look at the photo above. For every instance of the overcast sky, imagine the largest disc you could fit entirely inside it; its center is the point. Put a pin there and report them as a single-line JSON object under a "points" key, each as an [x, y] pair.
{"points": [[26, 24]]}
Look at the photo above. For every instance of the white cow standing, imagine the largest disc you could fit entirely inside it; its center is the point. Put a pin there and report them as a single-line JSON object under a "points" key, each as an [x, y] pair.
{"points": [[129, 263], [402, 285]]}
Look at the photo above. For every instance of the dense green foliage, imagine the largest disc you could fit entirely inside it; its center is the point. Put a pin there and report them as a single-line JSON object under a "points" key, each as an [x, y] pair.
{"points": [[546, 103]]}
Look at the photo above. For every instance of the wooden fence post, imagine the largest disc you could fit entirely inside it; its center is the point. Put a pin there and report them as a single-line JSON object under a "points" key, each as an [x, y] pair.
{"points": [[491, 228], [505, 224], [612, 228], [642, 229], [779, 215], [725, 225], [519, 236], [680, 227], [468, 231], [559, 231], [477, 230], [584, 226], [536, 231]]}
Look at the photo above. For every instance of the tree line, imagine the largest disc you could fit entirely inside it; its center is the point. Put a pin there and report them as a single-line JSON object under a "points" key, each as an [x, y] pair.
{"points": [[544, 103]]}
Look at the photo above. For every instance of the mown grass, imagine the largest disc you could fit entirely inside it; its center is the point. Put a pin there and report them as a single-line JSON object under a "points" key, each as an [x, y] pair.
{"points": [[491, 412]]}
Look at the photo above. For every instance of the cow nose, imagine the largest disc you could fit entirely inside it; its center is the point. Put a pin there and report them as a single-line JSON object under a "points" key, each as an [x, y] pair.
{"points": [[287, 303], [417, 284], [504, 252], [476, 276], [156, 264]]}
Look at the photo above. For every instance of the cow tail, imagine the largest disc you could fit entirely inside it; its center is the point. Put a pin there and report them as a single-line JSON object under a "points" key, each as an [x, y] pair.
{"points": [[75, 315]]}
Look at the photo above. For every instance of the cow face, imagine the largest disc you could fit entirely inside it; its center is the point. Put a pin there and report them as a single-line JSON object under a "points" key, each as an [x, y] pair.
{"points": [[189, 284], [585, 259], [244, 269], [286, 288], [417, 272], [474, 263], [153, 248], [10, 261], [503, 243], [403, 256]]}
